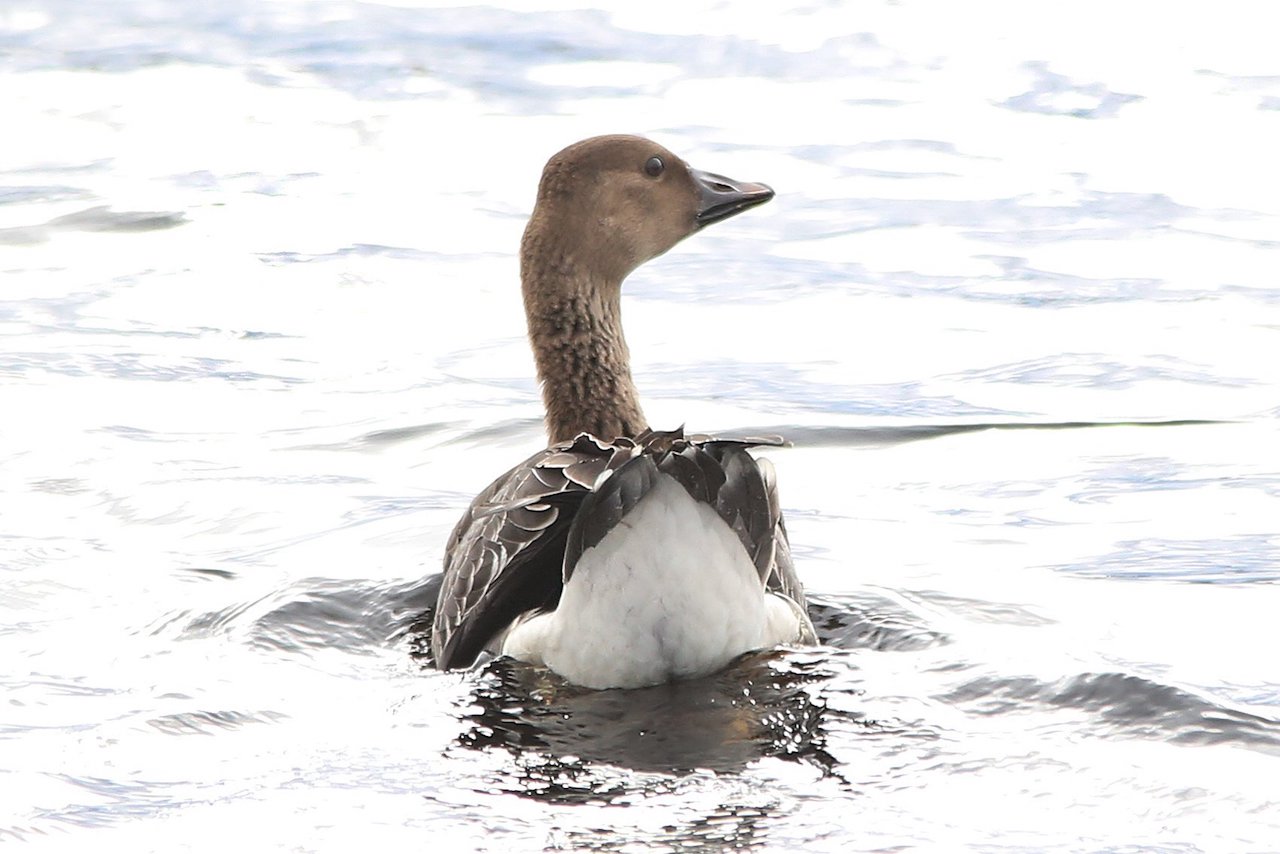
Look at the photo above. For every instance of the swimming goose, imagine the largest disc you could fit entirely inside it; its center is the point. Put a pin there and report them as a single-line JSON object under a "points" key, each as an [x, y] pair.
{"points": [[618, 557]]}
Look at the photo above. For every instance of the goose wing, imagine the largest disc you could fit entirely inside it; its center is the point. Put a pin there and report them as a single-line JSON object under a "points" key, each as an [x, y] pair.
{"points": [[718, 472], [748, 502], [505, 555], [519, 541]]}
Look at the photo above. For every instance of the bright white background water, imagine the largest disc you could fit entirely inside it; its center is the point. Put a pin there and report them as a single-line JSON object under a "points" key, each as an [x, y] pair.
{"points": [[262, 340]]}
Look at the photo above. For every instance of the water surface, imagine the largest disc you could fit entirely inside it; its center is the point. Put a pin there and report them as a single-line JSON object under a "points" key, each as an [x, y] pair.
{"points": [[1015, 305]]}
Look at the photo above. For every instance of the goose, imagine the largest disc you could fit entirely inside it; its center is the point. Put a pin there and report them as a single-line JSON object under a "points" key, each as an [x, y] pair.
{"points": [[618, 556]]}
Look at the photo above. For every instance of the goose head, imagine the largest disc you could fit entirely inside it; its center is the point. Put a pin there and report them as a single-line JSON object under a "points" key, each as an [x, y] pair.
{"points": [[608, 204]]}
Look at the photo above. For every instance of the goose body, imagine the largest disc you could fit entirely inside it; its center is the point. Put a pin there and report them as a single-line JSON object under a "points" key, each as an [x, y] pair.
{"points": [[618, 557]]}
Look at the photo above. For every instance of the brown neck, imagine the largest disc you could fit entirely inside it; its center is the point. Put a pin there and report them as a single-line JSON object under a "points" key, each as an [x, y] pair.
{"points": [[583, 365], [575, 328]]}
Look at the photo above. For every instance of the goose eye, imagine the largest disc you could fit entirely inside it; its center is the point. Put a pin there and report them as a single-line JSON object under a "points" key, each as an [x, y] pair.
{"points": [[653, 166]]}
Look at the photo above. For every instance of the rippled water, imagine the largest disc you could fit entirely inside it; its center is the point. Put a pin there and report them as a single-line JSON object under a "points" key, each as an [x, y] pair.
{"points": [[1016, 305]]}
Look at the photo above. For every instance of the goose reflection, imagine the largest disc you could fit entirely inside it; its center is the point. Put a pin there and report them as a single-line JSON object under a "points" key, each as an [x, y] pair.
{"points": [[574, 744], [571, 744]]}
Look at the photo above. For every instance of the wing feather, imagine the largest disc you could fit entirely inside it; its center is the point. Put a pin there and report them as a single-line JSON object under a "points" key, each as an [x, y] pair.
{"points": [[518, 542], [505, 554]]}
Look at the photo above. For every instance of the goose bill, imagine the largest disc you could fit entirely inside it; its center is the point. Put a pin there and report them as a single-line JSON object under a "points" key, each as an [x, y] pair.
{"points": [[721, 197]]}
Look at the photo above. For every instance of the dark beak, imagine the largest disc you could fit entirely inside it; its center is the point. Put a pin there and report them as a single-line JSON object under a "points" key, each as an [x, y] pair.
{"points": [[720, 197]]}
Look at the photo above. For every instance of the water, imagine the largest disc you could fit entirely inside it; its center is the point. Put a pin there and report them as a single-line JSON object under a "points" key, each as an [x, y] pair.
{"points": [[1016, 305]]}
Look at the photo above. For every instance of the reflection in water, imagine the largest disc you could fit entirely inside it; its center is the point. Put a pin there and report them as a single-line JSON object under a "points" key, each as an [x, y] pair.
{"points": [[765, 705], [573, 744]]}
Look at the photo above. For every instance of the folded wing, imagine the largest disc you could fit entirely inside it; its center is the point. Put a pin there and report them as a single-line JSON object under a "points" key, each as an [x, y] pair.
{"points": [[517, 544]]}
